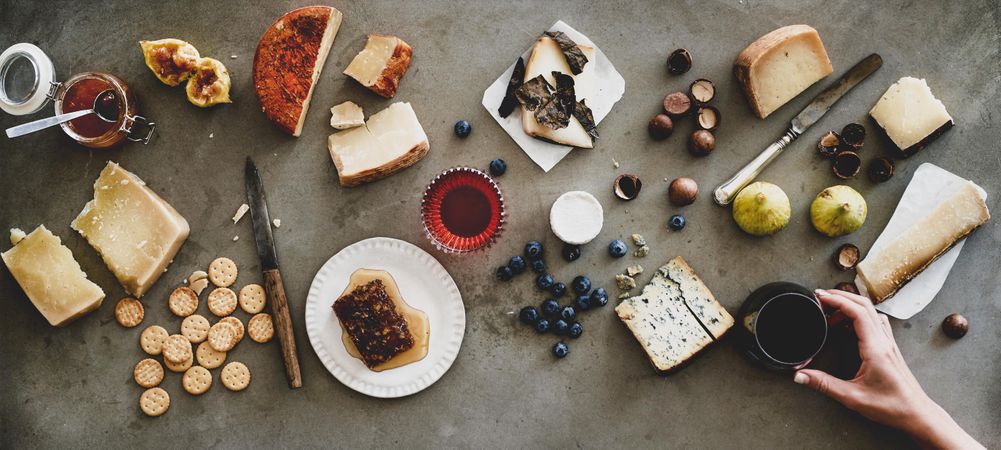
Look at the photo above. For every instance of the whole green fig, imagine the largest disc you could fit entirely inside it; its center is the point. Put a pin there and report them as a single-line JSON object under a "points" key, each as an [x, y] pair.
{"points": [[761, 209], [838, 210]]}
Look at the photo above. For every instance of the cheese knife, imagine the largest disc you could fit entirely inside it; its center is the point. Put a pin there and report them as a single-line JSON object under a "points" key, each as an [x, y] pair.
{"points": [[272, 276], [822, 103]]}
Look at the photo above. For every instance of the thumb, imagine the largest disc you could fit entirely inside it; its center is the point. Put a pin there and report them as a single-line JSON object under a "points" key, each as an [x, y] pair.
{"points": [[824, 383]]}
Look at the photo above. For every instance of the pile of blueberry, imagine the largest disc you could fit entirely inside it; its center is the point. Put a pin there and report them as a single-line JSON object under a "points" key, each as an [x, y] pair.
{"points": [[550, 315]]}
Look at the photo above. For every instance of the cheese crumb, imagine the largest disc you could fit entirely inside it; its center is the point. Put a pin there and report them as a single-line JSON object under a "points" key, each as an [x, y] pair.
{"points": [[16, 234], [642, 251], [240, 212], [625, 282], [236, 238], [634, 270], [277, 222], [615, 163], [638, 239], [232, 56], [211, 135]]}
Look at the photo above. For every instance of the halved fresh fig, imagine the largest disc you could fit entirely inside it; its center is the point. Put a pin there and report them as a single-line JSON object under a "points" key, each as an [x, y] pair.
{"points": [[171, 60], [209, 85]]}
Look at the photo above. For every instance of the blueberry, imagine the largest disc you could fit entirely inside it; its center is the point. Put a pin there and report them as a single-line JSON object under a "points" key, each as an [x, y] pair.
{"points": [[498, 167], [504, 273], [538, 266], [544, 281], [571, 252], [550, 308], [517, 264], [617, 249], [582, 303], [558, 289], [568, 313], [533, 250], [581, 285], [575, 330], [542, 326], [599, 297], [677, 222], [529, 315], [560, 350], [560, 327], [462, 128]]}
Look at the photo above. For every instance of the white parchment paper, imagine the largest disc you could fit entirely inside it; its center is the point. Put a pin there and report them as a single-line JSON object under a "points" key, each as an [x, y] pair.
{"points": [[609, 87], [930, 186]]}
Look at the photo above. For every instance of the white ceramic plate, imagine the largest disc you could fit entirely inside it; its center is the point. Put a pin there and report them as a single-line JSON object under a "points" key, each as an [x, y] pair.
{"points": [[424, 284]]}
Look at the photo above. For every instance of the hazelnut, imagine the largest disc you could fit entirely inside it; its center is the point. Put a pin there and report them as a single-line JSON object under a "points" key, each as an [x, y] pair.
{"points": [[846, 164], [955, 326], [660, 127], [847, 256], [852, 137], [828, 145], [677, 104], [701, 143], [682, 191], [679, 61], [627, 186], [708, 117], [846, 286], [880, 170], [702, 90]]}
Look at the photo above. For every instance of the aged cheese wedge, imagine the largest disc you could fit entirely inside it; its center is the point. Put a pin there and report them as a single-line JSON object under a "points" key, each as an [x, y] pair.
{"points": [[381, 64], [51, 278], [547, 57], [709, 312], [917, 247], [390, 141], [136, 232], [288, 62], [780, 65], [346, 115], [910, 115]]}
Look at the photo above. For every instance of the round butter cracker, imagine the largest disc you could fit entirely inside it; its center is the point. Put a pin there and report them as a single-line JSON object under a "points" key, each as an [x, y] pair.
{"points": [[223, 272], [154, 402], [209, 357], [196, 380], [152, 338], [177, 349], [129, 312], [183, 301], [222, 301], [148, 373], [237, 325], [252, 298], [260, 328], [195, 327], [222, 336], [179, 367], [235, 376]]}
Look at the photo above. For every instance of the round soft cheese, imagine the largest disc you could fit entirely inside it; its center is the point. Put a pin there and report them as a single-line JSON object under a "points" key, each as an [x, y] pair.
{"points": [[576, 217]]}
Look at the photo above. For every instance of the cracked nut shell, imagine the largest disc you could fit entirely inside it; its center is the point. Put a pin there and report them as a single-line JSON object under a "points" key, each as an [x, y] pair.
{"points": [[847, 256], [955, 326], [846, 164], [828, 145], [701, 143], [708, 117], [880, 170], [846, 286], [852, 137], [627, 186], [702, 90], [679, 61], [660, 127], [683, 191], [677, 104]]}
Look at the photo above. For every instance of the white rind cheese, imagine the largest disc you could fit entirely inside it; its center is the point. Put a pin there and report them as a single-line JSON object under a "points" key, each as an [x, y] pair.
{"points": [[576, 217], [390, 141], [910, 115], [51, 278], [927, 239], [347, 115], [780, 65], [547, 57], [136, 232]]}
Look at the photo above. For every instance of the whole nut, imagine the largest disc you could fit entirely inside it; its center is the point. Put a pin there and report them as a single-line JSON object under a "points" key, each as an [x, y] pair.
{"points": [[682, 191], [660, 127], [677, 104], [955, 326], [701, 143]]}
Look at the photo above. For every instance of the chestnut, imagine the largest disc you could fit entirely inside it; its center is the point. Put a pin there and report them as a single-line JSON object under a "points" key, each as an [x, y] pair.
{"points": [[677, 104], [828, 145], [701, 143], [679, 61], [846, 164], [682, 191], [847, 256], [708, 117], [880, 170], [852, 137], [955, 326], [702, 90], [660, 127], [627, 186]]}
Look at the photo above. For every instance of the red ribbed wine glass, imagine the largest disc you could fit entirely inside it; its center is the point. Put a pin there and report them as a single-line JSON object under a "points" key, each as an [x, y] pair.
{"points": [[462, 210]]}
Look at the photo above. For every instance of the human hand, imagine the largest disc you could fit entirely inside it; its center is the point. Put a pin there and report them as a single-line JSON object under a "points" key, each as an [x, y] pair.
{"points": [[884, 389]]}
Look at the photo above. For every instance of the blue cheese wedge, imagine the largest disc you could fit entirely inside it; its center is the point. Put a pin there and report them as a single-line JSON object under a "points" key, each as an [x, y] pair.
{"points": [[663, 320]]}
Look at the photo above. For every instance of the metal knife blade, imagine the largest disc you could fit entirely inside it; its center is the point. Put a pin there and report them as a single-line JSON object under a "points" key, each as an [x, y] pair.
{"points": [[826, 99], [260, 218]]}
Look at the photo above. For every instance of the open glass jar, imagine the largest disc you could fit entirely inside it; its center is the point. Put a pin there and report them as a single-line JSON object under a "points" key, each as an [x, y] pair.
{"points": [[28, 82]]}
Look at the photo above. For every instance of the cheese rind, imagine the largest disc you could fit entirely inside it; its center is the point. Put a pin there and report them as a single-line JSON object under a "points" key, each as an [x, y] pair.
{"points": [[136, 232], [910, 115], [391, 140], [546, 58], [51, 278], [916, 248], [346, 115], [381, 64], [780, 65]]}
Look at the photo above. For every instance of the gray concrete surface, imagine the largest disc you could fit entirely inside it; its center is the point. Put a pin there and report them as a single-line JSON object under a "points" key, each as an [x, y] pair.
{"points": [[72, 386]]}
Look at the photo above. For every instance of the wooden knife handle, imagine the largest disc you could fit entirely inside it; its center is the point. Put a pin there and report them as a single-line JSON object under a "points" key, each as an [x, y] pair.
{"points": [[283, 321]]}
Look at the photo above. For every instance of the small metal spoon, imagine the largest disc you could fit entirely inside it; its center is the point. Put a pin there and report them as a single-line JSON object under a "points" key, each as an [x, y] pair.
{"points": [[105, 110]]}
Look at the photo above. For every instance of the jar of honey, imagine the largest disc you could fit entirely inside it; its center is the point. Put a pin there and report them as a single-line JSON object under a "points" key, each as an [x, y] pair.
{"points": [[28, 82]]}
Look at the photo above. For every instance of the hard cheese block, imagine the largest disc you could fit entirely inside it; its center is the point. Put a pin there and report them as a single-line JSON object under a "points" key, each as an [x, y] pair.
{"points": [[780, 65], [51, 278], [545, 59], [917, 247], [135, 231], [346, 115], [664, 321], [390, 141], [910, 115], [381, 64]]}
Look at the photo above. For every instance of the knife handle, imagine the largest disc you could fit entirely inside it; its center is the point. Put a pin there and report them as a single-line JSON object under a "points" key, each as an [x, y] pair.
{"points": [[283, 322], [725, 192]]}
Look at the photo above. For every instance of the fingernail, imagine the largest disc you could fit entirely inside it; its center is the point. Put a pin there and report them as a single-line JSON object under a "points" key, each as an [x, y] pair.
{"points": [[820, 291], [800, 377]]}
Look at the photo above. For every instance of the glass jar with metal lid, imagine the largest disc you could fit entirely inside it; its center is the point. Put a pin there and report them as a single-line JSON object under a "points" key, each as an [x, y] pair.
{"points": [[28, 82]]}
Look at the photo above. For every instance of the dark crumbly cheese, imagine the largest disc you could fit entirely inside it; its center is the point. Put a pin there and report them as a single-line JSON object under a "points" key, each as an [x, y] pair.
{"points": [[370, 318]]}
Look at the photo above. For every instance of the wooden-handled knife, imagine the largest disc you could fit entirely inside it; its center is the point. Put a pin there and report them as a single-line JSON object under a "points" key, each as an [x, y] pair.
{"points": [[272, 276]]}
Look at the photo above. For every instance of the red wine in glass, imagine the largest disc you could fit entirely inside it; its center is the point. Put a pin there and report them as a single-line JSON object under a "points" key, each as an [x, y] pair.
{"points": [[462, 210]]}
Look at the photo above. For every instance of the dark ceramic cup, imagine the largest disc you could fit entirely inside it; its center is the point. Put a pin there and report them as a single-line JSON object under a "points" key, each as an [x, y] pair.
{"points": [[782, 326]]}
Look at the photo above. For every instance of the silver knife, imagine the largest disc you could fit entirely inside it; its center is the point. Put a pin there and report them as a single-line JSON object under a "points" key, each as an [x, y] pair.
{"points": [[272, 276], [822, 103]]}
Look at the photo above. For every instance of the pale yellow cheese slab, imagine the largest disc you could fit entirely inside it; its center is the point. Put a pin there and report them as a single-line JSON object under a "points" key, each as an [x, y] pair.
{"points": [[136, 232], [547, 58], [51, 278], [391, 140]]}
